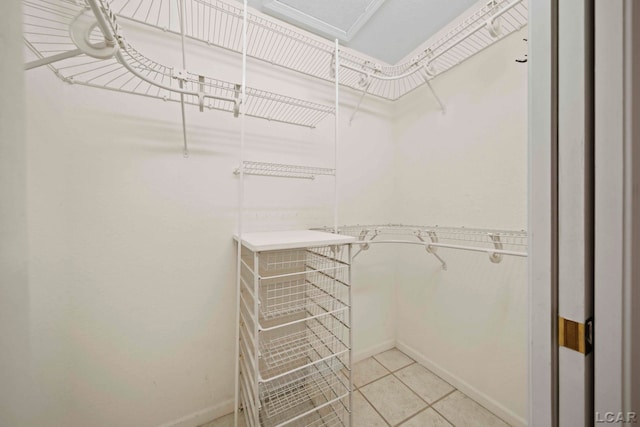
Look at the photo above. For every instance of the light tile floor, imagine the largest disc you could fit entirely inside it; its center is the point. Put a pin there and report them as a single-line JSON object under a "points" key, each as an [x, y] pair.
{"points": [[391, 389]]}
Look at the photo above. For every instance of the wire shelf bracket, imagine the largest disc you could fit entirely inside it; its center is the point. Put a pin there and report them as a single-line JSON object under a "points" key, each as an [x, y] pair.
{"points": [[433, 237]]}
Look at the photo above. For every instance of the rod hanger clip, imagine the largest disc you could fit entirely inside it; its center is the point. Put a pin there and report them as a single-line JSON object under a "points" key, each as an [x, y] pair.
{"points": [[433, 238], [493, 24], [497, 244], [201, 93], [237, 100], [332, 67]]}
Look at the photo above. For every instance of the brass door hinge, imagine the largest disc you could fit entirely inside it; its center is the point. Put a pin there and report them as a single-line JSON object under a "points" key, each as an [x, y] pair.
{"points": [[576, 336]]}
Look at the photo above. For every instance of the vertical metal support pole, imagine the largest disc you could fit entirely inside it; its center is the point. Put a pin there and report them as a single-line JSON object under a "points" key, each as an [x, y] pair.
{"points": [[240, 216], [337, 122], [256, 338], [349, 246], [183, 12]]}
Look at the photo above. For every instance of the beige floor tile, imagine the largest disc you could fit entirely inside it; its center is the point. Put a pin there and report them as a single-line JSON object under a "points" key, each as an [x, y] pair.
{"points": [[367, 371], [425, 383], [226, 421], [427, 418], [393, 400], [364, 414], [393, 359], [461, 411]]}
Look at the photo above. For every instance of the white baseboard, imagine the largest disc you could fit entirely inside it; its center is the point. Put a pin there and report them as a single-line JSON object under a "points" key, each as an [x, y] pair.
{"points": [[486, 401], [373, 350], [203, 416], [211, 413]]}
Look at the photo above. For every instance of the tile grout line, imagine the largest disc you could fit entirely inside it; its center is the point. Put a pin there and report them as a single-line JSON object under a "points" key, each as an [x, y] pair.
{"points": [[429, 405], [374, 408], [412, 416], [389, 373], [441, 399], [392, 373]]}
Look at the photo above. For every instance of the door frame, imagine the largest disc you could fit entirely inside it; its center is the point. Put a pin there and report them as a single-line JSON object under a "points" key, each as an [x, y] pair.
{"points": [[617, 212], [543, 213]]}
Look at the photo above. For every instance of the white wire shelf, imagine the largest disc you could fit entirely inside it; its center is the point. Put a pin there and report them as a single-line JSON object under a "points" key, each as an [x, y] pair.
{"points": [[320, 383], [283, 170], [47, 33], [219, 23], [496, 243], [455, 234]]}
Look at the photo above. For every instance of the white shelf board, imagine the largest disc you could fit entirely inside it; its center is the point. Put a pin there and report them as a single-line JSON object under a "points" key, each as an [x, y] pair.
{"points": [[277, 240]]}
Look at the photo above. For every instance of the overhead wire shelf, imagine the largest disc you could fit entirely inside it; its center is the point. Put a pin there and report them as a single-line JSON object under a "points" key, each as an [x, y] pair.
{"points": [[49, 28], [283, 170], [219, 23]]}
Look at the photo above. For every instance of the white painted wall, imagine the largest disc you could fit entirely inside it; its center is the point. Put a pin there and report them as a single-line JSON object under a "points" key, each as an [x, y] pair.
{"points": [[467, 167], [132, 261]]}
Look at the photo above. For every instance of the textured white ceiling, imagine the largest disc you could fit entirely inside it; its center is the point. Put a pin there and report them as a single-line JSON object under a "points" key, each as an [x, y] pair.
{"points": [[325, 10], [394, 30]]}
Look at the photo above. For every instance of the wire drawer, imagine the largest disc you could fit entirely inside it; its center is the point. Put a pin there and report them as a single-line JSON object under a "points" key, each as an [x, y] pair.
{"points": [[319, 384]]}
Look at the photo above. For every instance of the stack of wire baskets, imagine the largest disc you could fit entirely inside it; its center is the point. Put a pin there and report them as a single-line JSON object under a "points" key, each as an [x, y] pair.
{"points": [[295, 337]]}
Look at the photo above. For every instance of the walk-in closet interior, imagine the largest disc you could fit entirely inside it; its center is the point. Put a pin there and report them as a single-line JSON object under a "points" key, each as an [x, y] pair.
{"points": [[277, 212]]}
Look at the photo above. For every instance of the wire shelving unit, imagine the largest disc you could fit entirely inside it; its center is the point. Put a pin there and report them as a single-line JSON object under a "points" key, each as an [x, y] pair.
{"points": [[219, 23], [295, 335], [54, 30]]}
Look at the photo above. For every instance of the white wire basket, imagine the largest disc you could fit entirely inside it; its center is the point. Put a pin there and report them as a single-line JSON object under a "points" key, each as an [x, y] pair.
{"points": [[318, 384], [303, 343]]}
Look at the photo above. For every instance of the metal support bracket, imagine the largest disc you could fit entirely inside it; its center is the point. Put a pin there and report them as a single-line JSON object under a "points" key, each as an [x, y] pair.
{"points": [[51, 59], [181, 76], [364, 93], [497, 243], [238, 101], [201, 93], [332, 70], [365, 246], [433, 237], [493, 24], [426, 70]]}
